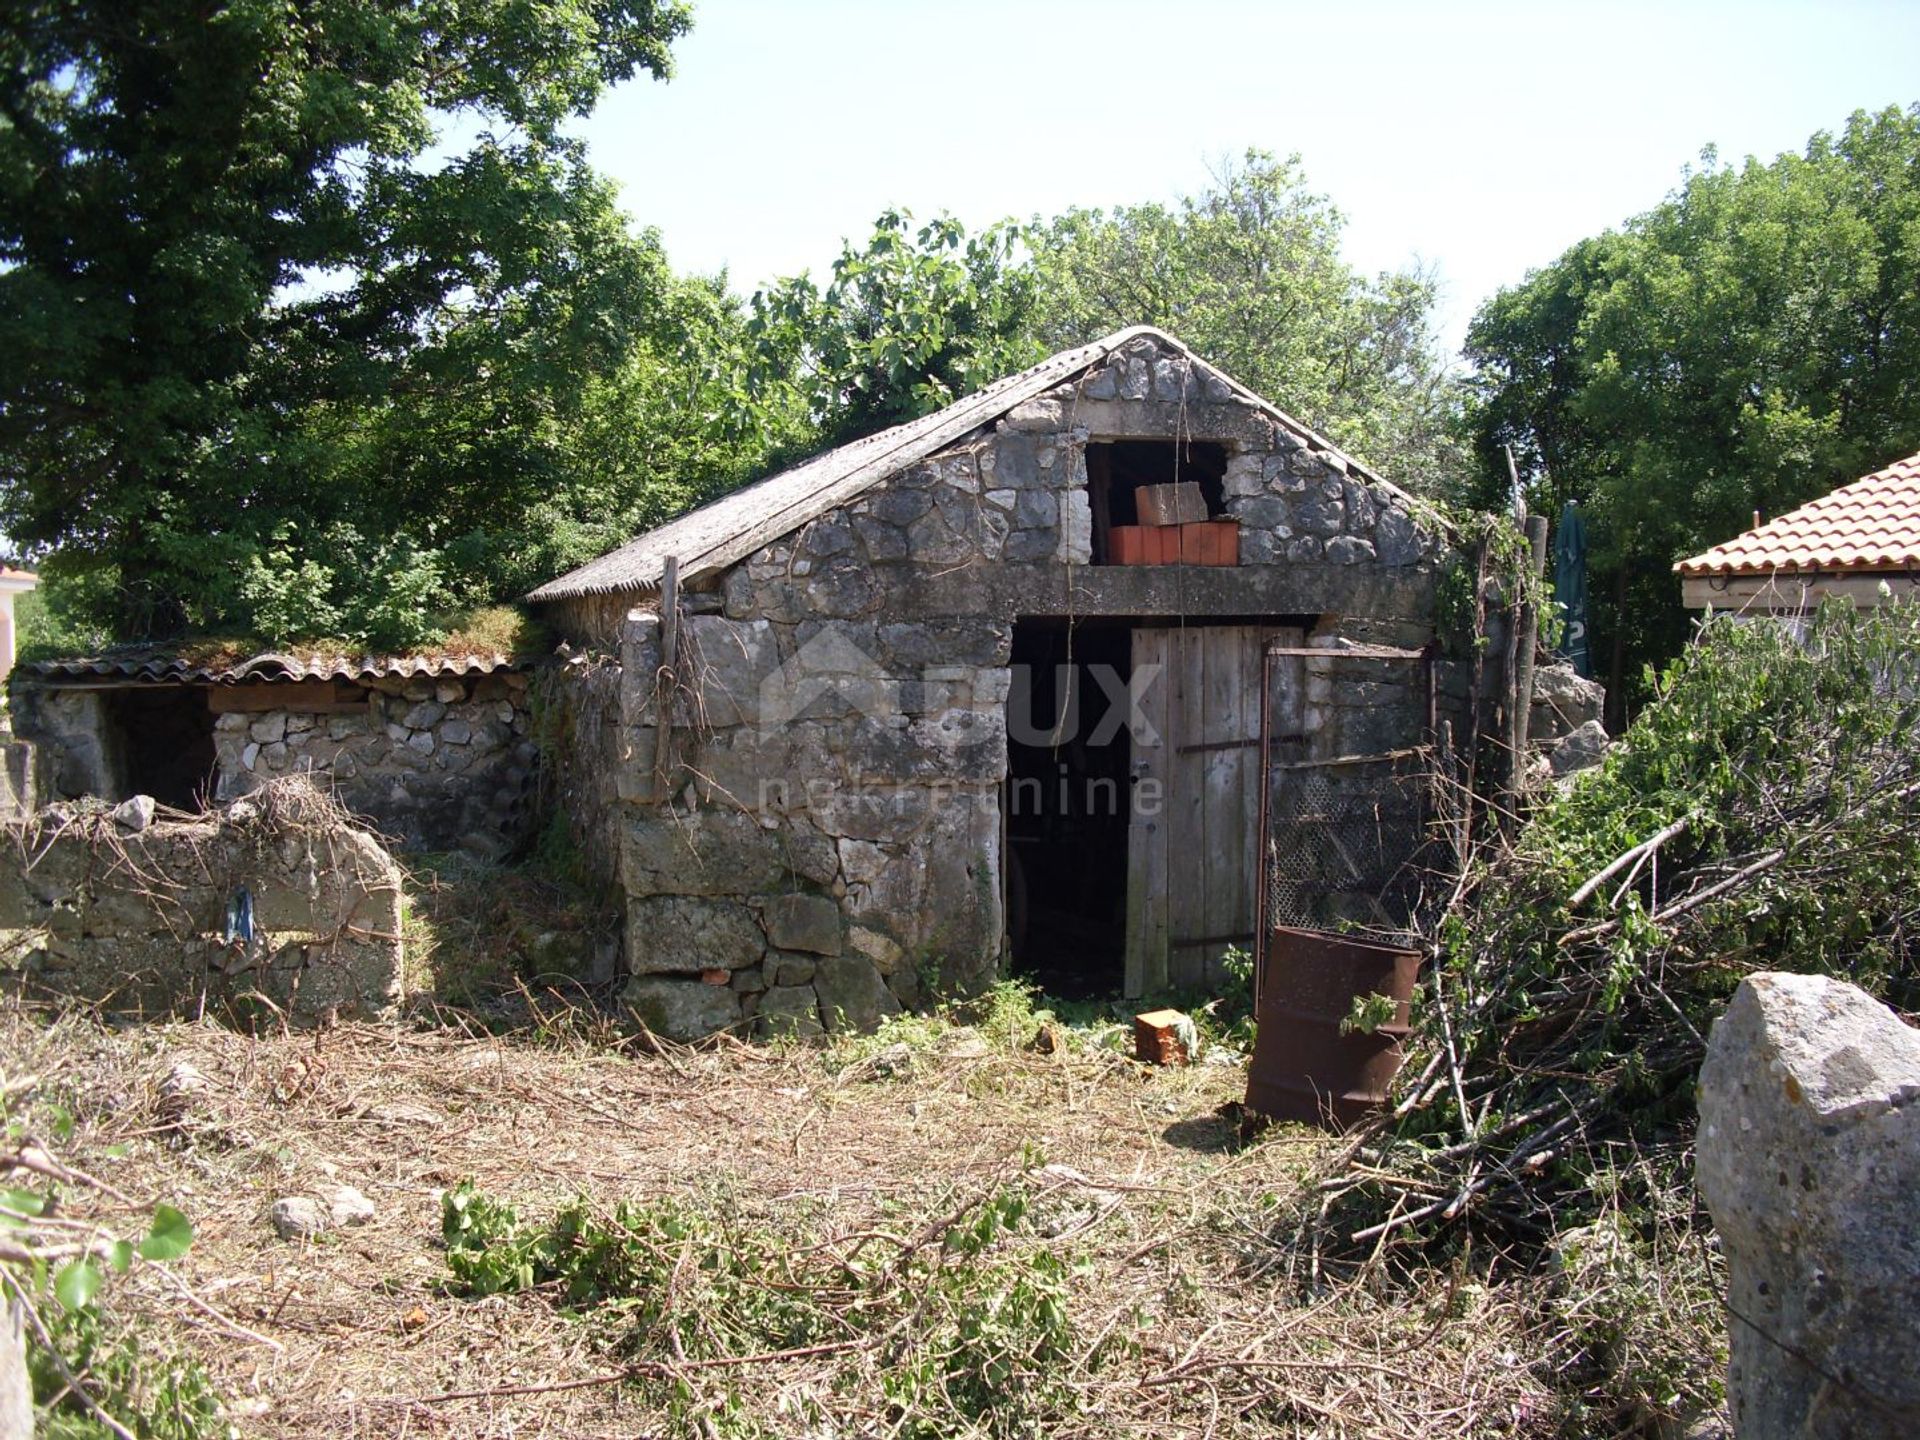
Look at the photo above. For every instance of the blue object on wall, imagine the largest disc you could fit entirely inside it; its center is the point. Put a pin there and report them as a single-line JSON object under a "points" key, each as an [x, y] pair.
{"points": [[240, 917]]}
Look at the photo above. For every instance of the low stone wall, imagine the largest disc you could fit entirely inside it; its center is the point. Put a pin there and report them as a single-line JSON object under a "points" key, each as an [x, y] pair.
{"points": [[1809, 1159], [432, 762], [19, 777], [436, 764], [132, 911]]}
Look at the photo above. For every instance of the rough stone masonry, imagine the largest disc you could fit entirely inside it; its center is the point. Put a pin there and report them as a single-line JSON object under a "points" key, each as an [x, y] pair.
{"points": [[819, 842], [435, 762], [275, 895], [827, 846], [438, 762], [1809, 1159]]}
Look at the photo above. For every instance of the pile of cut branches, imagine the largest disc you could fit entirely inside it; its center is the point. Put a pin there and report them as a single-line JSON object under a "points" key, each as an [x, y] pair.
{"points": [[1762, 813]]}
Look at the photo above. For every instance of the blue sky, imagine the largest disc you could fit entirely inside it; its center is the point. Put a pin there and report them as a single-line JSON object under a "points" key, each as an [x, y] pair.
{"points": [[1476, 137]]}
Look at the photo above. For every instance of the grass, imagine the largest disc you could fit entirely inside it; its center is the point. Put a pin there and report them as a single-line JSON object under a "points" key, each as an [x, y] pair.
{"points": [[1119, 1226], [986, 1220]]}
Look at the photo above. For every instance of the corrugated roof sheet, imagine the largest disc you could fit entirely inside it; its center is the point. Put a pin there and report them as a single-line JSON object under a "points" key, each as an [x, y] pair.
{"points": [[729, 529], [1872, 524], [147, 666]]}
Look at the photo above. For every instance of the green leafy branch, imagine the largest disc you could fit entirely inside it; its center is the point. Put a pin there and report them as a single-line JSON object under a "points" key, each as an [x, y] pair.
{"points": [[49, 1254]]}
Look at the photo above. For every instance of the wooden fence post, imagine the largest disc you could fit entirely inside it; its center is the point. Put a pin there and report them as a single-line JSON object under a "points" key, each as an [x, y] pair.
{"points": [[666, 679]]}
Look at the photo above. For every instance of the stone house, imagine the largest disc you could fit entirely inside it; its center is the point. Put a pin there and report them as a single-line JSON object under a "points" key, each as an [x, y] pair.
{"points": [[434, 751], [874, 726]]}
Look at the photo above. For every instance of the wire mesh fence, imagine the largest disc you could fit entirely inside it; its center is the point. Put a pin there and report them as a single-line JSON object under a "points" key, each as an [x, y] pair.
{"points": [[1342, 843]]}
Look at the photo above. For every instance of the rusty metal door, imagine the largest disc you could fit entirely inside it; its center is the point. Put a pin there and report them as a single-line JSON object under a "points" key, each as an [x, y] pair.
{"points": [[1193, 836]]}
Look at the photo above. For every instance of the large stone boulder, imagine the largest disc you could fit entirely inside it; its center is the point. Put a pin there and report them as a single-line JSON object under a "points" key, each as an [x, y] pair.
{"points": [[1809, 1159]]}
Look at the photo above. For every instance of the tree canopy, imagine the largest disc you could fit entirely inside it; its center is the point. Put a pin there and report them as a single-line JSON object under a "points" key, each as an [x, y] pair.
{"points": [[277, 356], [1249, 273], [315, 322], [1748, 344], [907, 325]]}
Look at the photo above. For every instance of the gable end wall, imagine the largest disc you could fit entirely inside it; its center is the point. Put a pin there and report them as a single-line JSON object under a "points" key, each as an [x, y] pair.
{"points": [[828, 846]]}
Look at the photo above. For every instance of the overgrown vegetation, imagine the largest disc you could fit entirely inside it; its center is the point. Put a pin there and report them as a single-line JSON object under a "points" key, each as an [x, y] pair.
{"points": [[378, 385], [946, 1316], [1747, 344], [481, 936], [1762, 813], [64, 1240]]}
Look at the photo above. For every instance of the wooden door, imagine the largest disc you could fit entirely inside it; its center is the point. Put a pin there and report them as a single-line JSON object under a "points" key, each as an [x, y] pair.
{"points": [[1192, 844]]}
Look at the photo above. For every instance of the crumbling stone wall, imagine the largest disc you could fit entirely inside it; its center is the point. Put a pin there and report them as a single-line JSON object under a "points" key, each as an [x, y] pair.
{"points": [[131, 911], [434, 763], [826, 843], [437, 763]]}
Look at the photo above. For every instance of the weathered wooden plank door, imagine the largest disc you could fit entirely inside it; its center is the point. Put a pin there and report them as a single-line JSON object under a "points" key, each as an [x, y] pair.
{"points": [[1192, 842]]}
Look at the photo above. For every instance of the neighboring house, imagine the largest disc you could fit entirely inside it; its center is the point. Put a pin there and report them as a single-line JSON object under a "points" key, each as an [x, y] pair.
{"points": [[12, 583], [1849, 543], [433, 750], [940, 695]]}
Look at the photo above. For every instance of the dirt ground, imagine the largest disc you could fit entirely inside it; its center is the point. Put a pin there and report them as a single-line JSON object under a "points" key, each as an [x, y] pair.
{"points": [[1138, 1179]]}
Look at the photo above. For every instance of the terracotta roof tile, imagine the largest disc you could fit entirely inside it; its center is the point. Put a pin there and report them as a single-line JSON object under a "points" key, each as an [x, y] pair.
{"points": [[1872, 524]]}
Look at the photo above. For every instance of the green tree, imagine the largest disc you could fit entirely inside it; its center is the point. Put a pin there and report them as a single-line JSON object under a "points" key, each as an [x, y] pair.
{"points": [[257, 334], [1748, 344], [907, 324], [1249, 273]]}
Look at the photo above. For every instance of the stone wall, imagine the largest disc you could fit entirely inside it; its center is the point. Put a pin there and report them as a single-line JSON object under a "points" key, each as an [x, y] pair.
{"points": [[20, 777], [827, 846], [130, 912], [435, 763], [78, 749]]}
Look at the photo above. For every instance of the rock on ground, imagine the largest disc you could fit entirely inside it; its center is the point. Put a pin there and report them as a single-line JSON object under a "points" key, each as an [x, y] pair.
{"points": [[329, 1207], [298, 1217], [1580, 750], [345, 1205], [1809, 1159]]}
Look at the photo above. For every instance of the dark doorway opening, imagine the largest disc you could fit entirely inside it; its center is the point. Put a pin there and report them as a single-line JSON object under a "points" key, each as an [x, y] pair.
{"points": [[1118, 468], [166, 743], [1068, 803]]}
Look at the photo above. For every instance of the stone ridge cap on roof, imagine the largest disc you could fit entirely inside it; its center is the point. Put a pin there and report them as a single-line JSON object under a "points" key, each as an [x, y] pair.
{"points": [[631, 568]]}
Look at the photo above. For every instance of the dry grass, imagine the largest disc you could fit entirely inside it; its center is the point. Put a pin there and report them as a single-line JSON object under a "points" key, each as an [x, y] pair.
{"points": [[1136, 1178]]}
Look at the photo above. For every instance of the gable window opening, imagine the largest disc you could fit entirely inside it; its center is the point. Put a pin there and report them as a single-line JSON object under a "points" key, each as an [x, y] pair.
{"points": [[1143, 493]]}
